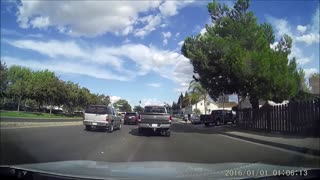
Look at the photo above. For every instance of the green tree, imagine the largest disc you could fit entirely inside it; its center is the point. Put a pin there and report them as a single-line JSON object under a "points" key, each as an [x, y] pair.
{"points": [[186, 100], [18, 79], [3, 79], [138, 109], [234, 56], [198, 93], [314, 82], [44, 88], [122, 105], [180, 100]]}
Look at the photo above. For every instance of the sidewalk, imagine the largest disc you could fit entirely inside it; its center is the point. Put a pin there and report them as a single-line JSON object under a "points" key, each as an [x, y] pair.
{"points": [[307, 145]]}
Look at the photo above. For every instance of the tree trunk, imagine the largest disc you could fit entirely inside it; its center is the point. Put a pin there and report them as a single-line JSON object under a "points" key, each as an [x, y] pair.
{"points": [[19, 103], [50, 109], [255, 108]]}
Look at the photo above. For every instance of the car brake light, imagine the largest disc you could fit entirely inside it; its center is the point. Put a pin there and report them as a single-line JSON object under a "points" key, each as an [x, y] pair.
{"points": [[139, 118], [107, 119], [170, 119]]}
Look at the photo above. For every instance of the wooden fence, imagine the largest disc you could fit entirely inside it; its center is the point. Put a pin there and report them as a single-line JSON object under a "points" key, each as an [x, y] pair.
{"points": [[300, 118]]}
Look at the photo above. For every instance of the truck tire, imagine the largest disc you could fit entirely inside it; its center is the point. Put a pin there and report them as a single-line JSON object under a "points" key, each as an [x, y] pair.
{"points": [[207, 124], [110, 129], [168, 133], [88, 128], [218, 123]]}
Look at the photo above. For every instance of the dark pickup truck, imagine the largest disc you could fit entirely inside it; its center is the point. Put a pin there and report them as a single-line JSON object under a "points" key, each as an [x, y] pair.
{"points": [[156, 119], [218, 117]]}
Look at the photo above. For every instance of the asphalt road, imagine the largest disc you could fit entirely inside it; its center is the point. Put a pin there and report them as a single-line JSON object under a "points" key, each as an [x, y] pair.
{"points": [[188, 143]]}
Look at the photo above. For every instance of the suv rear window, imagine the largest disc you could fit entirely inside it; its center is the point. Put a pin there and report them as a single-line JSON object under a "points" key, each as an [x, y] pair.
{"points": [[131, 114], [154, 109], [98, 110]]}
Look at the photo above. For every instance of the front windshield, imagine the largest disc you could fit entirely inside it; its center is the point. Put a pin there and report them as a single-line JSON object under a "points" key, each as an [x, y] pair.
{"points": [[190, 81]]}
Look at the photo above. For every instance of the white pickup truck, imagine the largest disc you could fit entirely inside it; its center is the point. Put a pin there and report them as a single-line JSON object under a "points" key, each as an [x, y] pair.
{"points": [[156, 119]]}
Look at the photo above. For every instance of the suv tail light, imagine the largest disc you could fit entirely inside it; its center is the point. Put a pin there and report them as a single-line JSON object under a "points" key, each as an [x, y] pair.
{"points": [[139, 118], [107, 118], [170, 118]]}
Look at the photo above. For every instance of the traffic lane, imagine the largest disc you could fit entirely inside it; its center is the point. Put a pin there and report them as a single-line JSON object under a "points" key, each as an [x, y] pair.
{"points": [[186, 144]]}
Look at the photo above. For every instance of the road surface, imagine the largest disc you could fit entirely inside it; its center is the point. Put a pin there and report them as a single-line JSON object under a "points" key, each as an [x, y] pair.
{"points": [[188, 143]]}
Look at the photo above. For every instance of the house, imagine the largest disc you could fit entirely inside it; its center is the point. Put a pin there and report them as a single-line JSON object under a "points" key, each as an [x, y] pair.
{"points": [[200, 105], [245, 103], [227, 105]]}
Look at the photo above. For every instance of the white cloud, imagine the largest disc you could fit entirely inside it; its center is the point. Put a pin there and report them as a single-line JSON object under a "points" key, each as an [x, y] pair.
{"points": [[203, 31], [309, 71], [15, 33], [99, 17], [156, 85], [298, 50], [180, 43], [40, 22], [145, 59], [301, 28], [309, 38], [177, 34], [281, 26], [163, 25], [65, 66], [151, 23], [69, 49], [274, 45], [166, 36], [114, 99], [152, 101]]}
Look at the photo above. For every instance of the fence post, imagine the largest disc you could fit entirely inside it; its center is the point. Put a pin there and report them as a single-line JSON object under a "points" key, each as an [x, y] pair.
{"points": [[268, 118]]}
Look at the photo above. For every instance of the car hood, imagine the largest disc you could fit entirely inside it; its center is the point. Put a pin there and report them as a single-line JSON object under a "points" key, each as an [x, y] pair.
{"points": [[150, 169]]}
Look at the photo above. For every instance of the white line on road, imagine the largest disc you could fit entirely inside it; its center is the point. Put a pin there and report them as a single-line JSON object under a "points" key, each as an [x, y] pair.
{"points": [[272, 147], [24, 127]]}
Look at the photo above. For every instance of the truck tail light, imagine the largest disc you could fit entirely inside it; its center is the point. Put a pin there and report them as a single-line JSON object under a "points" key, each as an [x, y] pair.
{"points": [[107, 118], [139, 118], [170, 118]]}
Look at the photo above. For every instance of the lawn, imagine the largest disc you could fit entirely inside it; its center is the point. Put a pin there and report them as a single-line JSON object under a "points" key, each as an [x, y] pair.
{"points": [[32, 114]]}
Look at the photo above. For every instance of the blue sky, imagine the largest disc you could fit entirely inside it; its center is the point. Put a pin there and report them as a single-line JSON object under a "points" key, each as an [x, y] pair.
{"points": [[132, 50]]}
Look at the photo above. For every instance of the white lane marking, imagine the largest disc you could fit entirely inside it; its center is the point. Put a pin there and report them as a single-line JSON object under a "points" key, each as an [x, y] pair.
{"points": [[271, 147], [24, 127]]}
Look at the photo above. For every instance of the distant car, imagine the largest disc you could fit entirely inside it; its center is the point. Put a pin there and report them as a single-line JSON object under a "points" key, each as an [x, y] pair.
{"points": [[218, 117], [103, 117], [195, 119], [131, 118]]}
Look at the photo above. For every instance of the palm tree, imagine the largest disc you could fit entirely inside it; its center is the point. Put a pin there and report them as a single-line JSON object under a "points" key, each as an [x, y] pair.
{"points": [[198, 92]]}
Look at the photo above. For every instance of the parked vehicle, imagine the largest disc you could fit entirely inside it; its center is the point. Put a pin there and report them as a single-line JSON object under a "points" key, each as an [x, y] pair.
{"points": [[195, 119], [131, 118], [100, 116], [155, 118], [218, 117]]}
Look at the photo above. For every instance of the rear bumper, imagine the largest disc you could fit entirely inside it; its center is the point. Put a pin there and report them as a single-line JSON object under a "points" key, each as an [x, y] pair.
{"points": [[95, 123], [130, 121], [149, 126]]}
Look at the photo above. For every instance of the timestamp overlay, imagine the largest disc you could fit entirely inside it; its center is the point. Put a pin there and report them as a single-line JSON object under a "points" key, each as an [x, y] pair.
{"points": [[269, 171]]}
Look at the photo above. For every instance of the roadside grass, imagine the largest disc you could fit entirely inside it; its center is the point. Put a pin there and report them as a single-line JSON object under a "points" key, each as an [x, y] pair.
{"points": [[38, 115]]}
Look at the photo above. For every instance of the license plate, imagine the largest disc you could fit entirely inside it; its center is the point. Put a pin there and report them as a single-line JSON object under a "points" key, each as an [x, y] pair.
{"points": [[94, 123], [154, 125]]}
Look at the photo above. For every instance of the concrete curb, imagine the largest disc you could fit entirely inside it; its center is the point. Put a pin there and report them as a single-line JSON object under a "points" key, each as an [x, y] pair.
{"points": [[304, 150]]}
